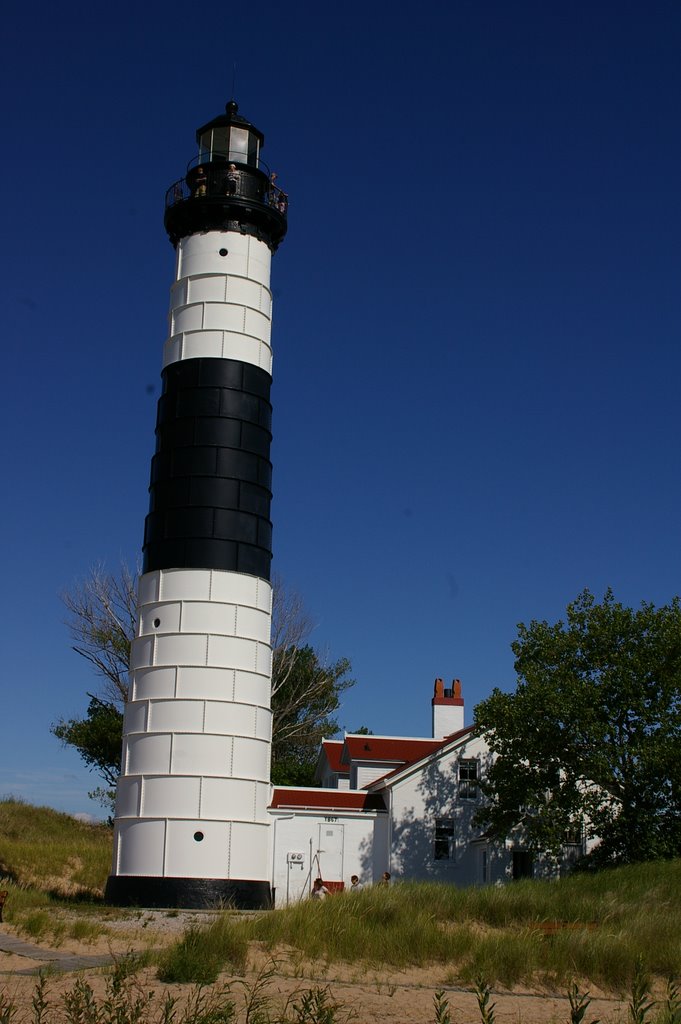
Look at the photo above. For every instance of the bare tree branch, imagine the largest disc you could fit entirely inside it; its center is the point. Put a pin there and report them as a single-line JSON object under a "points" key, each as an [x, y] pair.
{"points": [[102, 621]]}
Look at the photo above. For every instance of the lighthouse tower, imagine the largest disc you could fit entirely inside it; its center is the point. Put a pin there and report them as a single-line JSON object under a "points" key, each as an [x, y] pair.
{"points": [[191, 825]]}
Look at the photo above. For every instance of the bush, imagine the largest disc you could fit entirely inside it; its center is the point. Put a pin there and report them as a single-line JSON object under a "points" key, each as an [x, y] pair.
{"points": [[85, 931], [203, 952], [36, 924]]}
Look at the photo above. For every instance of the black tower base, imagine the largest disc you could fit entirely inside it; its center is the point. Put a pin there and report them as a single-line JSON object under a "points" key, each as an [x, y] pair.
{"points": [[187, 893]]}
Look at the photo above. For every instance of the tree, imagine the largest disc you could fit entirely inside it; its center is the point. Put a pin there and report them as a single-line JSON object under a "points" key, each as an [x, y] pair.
{"points": [[591, 737], [306, 689], [305, 694], [101, 622], [97, 738]]}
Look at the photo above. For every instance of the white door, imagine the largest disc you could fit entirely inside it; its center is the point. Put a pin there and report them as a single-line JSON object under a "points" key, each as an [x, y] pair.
{"points": [[330, 852]]}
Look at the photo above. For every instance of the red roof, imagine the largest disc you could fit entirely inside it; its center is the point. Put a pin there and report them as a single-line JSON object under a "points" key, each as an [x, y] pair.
{"points": [[327, 799], [389, 748], [333, 750], [437, 744]]}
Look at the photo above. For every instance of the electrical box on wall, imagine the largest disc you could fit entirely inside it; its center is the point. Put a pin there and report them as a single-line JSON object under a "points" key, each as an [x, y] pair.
{"points": [[295, 858]]}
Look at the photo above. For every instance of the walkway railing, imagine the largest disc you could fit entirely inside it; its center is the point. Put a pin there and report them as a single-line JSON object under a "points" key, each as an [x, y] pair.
{"points": [[222, 180]]}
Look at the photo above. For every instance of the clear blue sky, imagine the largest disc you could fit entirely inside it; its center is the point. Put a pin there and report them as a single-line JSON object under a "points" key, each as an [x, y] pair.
{"points": [[477, 323]]}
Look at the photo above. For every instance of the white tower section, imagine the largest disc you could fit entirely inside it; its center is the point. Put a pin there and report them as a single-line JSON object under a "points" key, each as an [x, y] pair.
{"points": [[221, 303]]}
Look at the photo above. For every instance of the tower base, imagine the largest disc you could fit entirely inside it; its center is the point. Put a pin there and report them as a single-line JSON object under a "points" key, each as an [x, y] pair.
{"points": [[187, 893]]}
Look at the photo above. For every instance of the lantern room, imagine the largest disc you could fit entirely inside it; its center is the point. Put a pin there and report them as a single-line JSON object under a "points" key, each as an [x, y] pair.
{"points": [[229, 137]]}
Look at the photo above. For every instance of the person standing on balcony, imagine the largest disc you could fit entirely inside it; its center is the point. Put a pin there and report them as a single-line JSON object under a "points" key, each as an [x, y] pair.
{"points": [[233, 178], [200, 182]]}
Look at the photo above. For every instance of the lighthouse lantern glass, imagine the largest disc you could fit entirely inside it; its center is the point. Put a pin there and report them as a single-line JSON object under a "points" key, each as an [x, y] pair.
{"points": [[229, 143], [220, 142], [243, 146], [238, 145], [206, 146]]}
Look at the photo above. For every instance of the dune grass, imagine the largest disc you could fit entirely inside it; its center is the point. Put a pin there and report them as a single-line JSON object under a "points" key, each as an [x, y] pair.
{"points": [[203, 952], [594, 927], [45, 849]]}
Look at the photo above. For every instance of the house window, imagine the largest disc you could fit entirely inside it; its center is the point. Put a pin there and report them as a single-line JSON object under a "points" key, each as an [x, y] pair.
{"points": [[468, 780], [445, 847], [523, 864], [573, 837]]}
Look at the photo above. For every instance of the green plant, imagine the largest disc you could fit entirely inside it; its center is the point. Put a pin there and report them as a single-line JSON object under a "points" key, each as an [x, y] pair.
{"points": [[441, 1004], [80, 1004], [671, 1008], [482, 995], [189, 961], [39, 1001], [256, 1000], [579, 1004], [317, 1007], [203, 952], [208, 1007], [168, 1014], [130, 964], [36, 924], [85, 931], [121, 1005], [7, 1009], [640, 1003]]}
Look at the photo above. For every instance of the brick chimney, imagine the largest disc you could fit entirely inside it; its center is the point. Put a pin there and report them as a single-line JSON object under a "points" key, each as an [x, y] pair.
{"points": [[447, 707]]}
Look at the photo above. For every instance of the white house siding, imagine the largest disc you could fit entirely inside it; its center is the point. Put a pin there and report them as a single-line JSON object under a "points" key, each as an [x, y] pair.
{"points": [[332, 780], [432, 792], [362, 775], [334, 845]]}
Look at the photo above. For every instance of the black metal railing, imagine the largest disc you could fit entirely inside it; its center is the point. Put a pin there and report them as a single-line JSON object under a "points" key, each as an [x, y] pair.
{"points": [[222, 180]]}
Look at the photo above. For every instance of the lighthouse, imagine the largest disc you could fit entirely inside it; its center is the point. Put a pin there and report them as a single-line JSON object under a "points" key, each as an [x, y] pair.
{"points": [[191, 826]]}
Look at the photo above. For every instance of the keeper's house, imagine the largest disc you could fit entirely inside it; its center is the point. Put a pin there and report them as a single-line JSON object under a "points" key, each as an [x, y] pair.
{"points": [[398, 804]]}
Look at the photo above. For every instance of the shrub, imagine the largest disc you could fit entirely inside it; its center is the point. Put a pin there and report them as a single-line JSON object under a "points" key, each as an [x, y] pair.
{"points": [[36, 924], [203, 952], [85, 931]]}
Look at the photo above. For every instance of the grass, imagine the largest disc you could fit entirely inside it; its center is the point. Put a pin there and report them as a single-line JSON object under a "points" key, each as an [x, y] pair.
{"points": [[85, 931], [37, 924], [43, 848], [594, 927], [49, 860], [126, 1001], [203, 952]]}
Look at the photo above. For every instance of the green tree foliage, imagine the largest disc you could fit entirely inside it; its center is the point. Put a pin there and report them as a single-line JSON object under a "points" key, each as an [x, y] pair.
{"points": [[305, 694], [97, 738], [591, 738], [101, 622], [306, 690]]}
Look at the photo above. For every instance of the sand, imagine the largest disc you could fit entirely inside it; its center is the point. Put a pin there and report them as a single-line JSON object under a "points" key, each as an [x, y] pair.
{"points": [[368, 993]]}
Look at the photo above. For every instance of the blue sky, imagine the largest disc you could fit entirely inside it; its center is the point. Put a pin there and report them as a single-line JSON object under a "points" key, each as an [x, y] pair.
{"points": [[476, 324]]}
